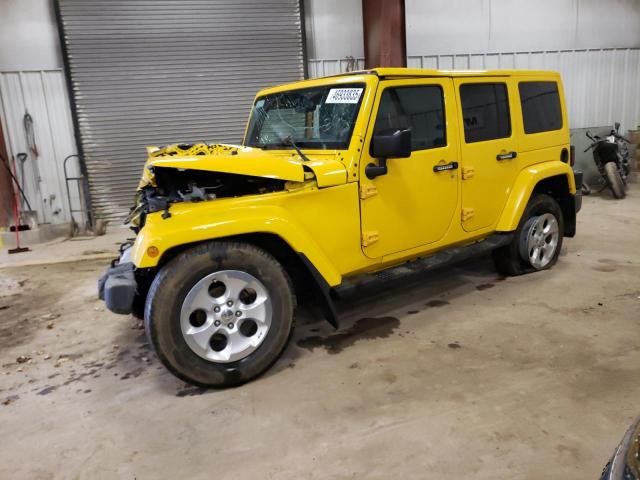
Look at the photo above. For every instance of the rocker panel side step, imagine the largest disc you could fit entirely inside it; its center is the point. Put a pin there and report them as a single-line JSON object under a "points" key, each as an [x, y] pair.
{"points": [[354, 284]]}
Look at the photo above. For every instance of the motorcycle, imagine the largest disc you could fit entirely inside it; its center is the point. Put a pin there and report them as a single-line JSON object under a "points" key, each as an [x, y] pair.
{"points": [[623, 151], [611, 156]]}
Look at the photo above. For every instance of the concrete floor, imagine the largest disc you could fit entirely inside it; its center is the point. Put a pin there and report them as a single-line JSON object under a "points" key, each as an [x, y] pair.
{"points": [[457, 375], [66, 250]]}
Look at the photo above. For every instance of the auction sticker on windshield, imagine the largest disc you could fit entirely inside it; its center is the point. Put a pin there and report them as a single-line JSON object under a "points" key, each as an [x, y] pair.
{"points": [[344, 95]]}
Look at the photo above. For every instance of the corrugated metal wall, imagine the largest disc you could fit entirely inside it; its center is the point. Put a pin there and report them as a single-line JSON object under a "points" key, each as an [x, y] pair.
{"points": [[43, 94], [152, 72], [602, 86], [322, 68]]}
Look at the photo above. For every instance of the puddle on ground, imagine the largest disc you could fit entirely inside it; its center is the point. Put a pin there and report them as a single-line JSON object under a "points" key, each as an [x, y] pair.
{"points": [[436, 303], [47, 390], [604, 268], [606, 260], [190, 391], [363, 329]]}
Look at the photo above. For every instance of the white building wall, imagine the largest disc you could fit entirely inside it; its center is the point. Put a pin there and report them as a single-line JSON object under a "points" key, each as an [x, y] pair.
{"points": [[593, 43], [334, 36], [28, 36], [479, 26], [32, 80], [601, 85]]}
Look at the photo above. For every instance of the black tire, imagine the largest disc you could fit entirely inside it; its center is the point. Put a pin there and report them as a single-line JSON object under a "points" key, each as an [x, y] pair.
{"points": [[615, 180], [508, 259], [139, 300], [137, 309], [175, 280]]}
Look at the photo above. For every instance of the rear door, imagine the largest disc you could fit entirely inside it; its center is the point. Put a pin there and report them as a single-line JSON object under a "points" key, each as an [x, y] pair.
{"points": [[544, 132], [489, 148]]}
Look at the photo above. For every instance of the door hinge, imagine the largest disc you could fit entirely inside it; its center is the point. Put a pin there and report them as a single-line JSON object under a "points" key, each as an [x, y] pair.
{"points": [[468, 172], [369, 237], [367, 191], [467, 213]]}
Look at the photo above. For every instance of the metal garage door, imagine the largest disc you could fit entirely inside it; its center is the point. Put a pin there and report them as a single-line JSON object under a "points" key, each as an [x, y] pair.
{"points": [[152, 72]]}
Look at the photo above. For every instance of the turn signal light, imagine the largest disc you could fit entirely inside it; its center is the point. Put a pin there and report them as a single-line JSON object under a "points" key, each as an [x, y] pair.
{"points": [[153, 251]]}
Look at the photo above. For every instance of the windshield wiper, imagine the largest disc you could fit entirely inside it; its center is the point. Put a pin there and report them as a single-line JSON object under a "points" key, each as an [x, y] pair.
{"points": [[284, 142], [289, 141]]}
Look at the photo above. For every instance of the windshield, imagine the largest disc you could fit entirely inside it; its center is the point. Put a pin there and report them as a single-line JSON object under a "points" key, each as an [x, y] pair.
{"points": [[320, 117]]}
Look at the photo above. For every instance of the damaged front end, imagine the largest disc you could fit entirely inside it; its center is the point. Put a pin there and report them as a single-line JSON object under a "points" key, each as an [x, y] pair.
{"points": [[173, 185], [190, 173], [200, 172], [180, 174]]}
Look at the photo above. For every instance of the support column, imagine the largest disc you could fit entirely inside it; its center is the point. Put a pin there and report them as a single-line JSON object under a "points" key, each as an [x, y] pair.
{"points": [[384, 33], [6, 190]]}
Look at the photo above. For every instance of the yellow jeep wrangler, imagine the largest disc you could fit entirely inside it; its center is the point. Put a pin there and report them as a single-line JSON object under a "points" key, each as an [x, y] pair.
{"points": [[340, 182]]}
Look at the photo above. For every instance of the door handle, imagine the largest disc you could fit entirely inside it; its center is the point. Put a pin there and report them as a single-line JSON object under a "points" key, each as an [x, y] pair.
{"points": [[506, 156], [445, 167]]}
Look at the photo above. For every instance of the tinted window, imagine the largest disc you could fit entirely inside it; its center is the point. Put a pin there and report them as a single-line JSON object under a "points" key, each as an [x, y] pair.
{"points": [[485, 109], [541, 110], [419, 108]]}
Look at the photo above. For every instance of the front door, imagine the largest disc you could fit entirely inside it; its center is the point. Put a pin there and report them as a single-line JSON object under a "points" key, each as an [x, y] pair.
{"points": [[414, 203], [489, 156]]}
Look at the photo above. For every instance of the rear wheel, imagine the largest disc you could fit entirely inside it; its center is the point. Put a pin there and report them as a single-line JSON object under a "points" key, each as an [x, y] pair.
{"points": [[536, 242], [220, 314], [615, 180]]}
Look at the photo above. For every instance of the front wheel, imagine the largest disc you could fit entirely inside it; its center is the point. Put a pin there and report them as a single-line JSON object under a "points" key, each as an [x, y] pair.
{"points": [[615, 180], [536, 242], [220, 314]]}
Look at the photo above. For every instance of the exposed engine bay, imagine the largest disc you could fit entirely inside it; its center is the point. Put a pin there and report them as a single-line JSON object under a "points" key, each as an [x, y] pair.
{"points": [[202, 172], [173, 185]]}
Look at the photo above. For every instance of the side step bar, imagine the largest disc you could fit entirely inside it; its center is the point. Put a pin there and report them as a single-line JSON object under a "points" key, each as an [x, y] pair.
{"points": [[354, 284]]}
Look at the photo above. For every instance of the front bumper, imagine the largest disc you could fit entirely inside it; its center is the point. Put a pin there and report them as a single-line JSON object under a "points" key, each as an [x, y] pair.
{"points": [[118, 287]]}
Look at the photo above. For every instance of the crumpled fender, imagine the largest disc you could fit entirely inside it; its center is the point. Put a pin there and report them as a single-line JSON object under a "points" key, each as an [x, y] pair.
{"points": [[196, 222], [328, 172], [523, 188]]}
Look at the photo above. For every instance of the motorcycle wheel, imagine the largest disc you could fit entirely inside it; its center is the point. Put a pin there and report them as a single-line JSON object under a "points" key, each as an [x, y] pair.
{"points": [[615, 180]]}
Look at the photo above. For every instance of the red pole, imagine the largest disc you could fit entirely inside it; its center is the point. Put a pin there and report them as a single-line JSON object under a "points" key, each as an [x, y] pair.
{"points": [[16, 219], [6, 190], [16, 212]]}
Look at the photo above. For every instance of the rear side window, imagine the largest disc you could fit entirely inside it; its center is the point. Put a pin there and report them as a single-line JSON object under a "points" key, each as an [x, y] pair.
{"points": [[419, 108], [541, 111], [485, 109]]}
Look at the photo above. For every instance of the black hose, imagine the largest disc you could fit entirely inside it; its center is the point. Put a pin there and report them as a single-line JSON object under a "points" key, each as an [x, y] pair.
{"points": [[31, 139], [6, 164]]}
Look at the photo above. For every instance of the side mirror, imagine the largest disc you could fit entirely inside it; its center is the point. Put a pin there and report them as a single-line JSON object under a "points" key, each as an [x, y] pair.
{"points": [[391, 144], [617, 126], [386, 144]]}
